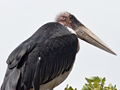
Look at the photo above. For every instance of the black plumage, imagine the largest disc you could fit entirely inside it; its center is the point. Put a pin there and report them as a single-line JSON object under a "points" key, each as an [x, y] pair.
{"points": [[49, 52]]}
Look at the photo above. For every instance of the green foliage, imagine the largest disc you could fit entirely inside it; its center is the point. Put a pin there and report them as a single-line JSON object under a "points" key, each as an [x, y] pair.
{"points": [[69, 88], [95, 83]]}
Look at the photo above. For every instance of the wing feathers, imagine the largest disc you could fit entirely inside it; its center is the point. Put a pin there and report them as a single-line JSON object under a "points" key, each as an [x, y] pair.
{"points": [[19, 52], [10, 81]]}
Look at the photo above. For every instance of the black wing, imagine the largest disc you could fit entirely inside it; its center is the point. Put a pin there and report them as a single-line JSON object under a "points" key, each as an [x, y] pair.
{"points": [[57, 56], [18, 67], [48, 53]]}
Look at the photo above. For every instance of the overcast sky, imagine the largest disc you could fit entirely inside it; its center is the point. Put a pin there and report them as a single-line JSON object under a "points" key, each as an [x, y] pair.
{"points": [[19, 19]]}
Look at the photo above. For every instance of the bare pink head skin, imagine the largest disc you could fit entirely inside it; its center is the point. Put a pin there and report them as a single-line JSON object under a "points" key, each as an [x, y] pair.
{"points": [[69, 20], [64, 19]]}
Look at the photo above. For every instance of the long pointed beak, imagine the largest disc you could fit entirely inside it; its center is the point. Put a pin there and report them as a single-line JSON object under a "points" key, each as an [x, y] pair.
{"points": [[88, 36]]}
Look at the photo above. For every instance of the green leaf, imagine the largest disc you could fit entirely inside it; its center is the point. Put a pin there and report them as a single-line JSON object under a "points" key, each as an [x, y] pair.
{"points": [[96, 85], [90, 86], [115, 87], [97, 89], [106, 88], [103, 81], [94, 79], [66, 88], [110, 85], [85, 88], [70, 88]]}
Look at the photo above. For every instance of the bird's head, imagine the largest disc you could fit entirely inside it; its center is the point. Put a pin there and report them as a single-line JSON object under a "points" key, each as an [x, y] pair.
{"points": [[69, 20]]}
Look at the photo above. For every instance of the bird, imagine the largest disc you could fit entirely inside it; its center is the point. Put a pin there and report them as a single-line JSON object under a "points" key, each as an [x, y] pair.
{"points": [[45, 59]]}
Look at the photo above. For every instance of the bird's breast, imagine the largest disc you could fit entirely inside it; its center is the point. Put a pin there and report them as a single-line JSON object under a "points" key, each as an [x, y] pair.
{"points": [[56, 81]]}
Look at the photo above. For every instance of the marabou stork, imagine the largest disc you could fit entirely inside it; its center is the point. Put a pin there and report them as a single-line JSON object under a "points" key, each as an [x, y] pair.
{"points": [[44, 60]]}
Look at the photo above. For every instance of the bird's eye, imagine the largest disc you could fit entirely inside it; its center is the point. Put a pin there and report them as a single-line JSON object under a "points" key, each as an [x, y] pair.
{"points": [[64, 18]]}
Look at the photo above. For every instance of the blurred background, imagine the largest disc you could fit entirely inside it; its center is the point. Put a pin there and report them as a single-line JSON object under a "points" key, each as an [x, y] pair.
{"points": [[19, 19]]}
